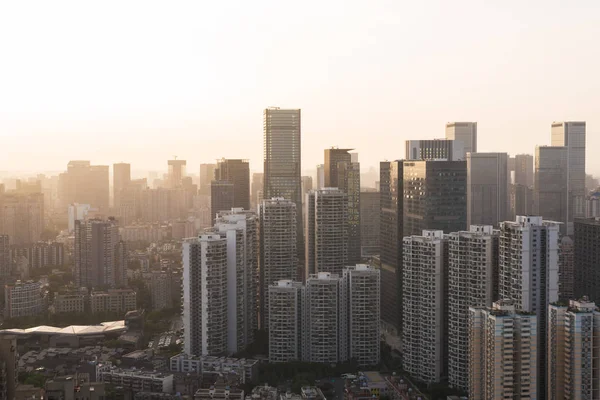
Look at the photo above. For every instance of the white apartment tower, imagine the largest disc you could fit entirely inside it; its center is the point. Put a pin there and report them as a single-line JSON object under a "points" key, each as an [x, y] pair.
{"points": [[323, 333], [205, 308], [573, 351], [285, 321], [238, 227], [502, 353], [278, 258], [464, 132], [423, 305], [326, 231], [528, 273], [360, 314], [472, 269]]}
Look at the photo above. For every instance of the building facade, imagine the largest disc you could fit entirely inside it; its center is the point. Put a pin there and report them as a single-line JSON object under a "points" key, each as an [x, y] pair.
{"points": [[587, 258], [349, 182], [369, 223], [236, 172], [487, 188], [437, 149], [22, 217], [24, 299], [113, 300], [551, 193], [285, 321], [464, 132]]}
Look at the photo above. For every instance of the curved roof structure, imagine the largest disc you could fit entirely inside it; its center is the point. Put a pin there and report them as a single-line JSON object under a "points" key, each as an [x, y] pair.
{"points": [[77, 330]]}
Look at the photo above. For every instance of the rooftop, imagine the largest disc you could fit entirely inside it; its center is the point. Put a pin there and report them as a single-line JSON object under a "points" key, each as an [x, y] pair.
{"points": [[79, 330]]}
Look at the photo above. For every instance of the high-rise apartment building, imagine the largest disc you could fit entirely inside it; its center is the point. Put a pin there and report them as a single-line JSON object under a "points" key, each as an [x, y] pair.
{"points": [[369, 223], [435, 196], [205, 295], [349, 182], [464, 132], [85, 184], [121, 180], [566, 269], [571, 134], [285, 321], [528, 264], [472, 275], [100, 254], [551, 199], [176, 173], [503, 353], [207, 175], [239, 227], [278, 258], [326, 231], [323, 333], [524, 170], [436, 149], [236, 172], [360, 314], [424, 309], [587, 258], [161, 289], [222, 197], [5, 259], [573, 334], [391, 225], [282, 161], [22, 217], [23, 299], [333, 157], [161, 205], [487, 188]]}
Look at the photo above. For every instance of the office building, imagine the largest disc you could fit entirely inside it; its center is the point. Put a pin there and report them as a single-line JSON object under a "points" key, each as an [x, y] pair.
{"points": [[523, 170], [85, 184], [369, 223], [320, 176], [307, 185], [587, 258], [285, 321], [278, 258], [71, 301], [9, 367], [121, 180], [239, 227], [551, 189], [222, 195], [323, 333], [257, 186], [464, 132], [130, 201], [436, 149], [236, 172], [573, 333], [176, 173], [521, 200], [528, 273], [424, 309], [333, 157], [326, 231], [24, 299], [571, 134], [100, 254], [503, 353], [113, 300], [435, 196], [161, 289], [487, 188], [207, 175], [282, 161], [566, 269], [22, 216], [360, 315], [205, 295], [162, 205], [391, 226], [472, 278], [77, 212], [349, 182]]}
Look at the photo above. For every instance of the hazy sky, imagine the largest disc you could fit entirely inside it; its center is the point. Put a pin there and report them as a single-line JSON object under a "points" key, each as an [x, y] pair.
{"points": [[141, 81]]}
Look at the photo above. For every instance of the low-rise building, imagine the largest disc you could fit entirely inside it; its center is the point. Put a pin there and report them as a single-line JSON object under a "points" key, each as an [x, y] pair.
{"points": [[246, 368], [113, 300], [69, 302], [74, 387], [135, 380], [24, 299]]}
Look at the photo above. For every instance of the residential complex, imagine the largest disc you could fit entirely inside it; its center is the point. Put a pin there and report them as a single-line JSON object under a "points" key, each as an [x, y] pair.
{"points": [[24, 299], [113, 300], [286, 323]]}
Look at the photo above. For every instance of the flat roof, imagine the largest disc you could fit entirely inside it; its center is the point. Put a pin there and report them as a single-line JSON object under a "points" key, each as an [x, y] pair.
{"points": [[75, 330]]}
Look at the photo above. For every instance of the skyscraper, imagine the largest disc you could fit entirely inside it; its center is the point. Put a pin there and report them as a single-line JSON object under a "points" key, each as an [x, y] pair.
{"points": [[326, 231], [121, 179], [240, 229], [551, 196], [566, 269], [524, 170], [571, 134], [529, 273], [503, 353], [464, 132], [5, 267], [222, 197], [176, 173], [487, 188], [207, 175], [435, 196], [333, 156], [22, 217], [278, 254], [320, 176], [85, 184], [285, 321], [349, 182], [587, 258], [472, 275], [282, 161], [574, 331], [100, 254], [436, 149], [236, 172], [257, 186], [205, 312], [424, 310], [369, 223]]}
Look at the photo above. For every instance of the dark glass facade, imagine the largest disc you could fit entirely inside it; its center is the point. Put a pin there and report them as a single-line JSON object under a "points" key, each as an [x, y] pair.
{"points": [[236, 172], [587, 258]]}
